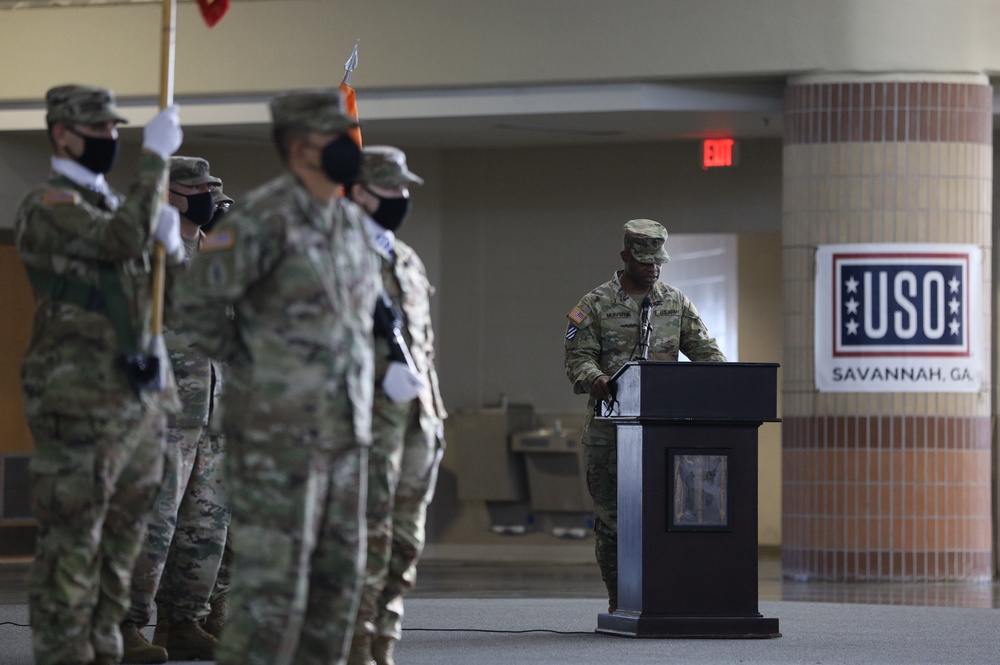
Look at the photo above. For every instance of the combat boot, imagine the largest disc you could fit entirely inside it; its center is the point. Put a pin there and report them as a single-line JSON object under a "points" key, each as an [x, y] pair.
{"points": [[216, 619], [382, 648], [162, 629], [361, 651], [137, 648], [189, 641]]}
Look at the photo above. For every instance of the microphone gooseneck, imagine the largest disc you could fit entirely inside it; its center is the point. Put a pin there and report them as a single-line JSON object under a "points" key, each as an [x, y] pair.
{"points": [[646, 324]]}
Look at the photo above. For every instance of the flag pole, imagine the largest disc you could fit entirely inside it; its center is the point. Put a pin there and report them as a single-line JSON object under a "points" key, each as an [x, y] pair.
{"points": [[352, 63], [349, 96], [168, 39], [167, 47]]}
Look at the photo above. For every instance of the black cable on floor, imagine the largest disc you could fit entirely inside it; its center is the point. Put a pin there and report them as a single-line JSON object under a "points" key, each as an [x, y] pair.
{"points": [[512, 632]]}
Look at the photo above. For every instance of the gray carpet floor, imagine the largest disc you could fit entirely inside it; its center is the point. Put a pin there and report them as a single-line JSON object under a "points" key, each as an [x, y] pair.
{"points": [[502, 631]]}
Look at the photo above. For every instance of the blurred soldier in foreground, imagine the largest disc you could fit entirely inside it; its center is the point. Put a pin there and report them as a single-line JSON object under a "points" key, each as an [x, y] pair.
{"points": [[409, 414], [606, 331], [294, 261], [91, 392], [190, 517]]}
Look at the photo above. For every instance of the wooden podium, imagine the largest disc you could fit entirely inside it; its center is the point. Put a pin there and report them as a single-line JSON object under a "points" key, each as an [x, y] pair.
{"points": [[687, 498]]}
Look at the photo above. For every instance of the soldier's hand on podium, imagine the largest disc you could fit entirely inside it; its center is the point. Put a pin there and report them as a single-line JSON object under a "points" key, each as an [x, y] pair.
{"points": [[600, 390]]}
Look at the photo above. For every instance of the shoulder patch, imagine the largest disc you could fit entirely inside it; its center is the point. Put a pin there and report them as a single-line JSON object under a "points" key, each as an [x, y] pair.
{"points": [[218, 240], [577, 316], [60, 197]]}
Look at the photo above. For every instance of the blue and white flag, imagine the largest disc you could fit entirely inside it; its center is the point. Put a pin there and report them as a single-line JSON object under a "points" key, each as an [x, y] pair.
{"points": [[899, 318]]}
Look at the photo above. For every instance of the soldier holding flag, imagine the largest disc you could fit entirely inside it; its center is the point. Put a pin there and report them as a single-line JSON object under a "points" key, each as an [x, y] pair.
{"points": [[408, 424], [90, 392]]}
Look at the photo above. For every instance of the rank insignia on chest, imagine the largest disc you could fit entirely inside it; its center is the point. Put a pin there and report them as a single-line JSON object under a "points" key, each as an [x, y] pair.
{"points": [[57, 197], [577, 316], [214, 242]]}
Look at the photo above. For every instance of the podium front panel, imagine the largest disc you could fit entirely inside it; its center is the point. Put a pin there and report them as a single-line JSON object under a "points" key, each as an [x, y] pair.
{"points": [[687, 545]]}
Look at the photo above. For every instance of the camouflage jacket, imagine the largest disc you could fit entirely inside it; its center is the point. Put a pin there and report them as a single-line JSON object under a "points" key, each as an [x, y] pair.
{"points": [[61, 227], [405, 281], [303, 282], [603, 333], [199, 379]]}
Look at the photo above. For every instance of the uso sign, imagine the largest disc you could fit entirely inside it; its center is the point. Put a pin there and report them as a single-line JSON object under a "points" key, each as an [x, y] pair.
{"points": [[899, 318]]}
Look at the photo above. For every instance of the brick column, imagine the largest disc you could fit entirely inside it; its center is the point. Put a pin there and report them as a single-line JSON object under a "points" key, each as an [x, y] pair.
{"points": [[883, 486]]}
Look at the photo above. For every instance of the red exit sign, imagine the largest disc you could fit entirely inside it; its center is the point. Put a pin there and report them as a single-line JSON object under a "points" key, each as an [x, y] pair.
{"points": [[716, 153]]}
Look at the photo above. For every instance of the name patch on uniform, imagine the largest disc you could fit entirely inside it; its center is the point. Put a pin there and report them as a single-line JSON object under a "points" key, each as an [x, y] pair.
{"points": [[60, 197], [218, 240], [571, 332], [577, 316]]}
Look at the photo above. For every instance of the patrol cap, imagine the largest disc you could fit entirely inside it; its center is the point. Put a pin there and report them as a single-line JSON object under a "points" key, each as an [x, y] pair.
{"points": [[644, 240], [313, 110], [385, 166], [84, 104], [218, 197], [191, 171]]}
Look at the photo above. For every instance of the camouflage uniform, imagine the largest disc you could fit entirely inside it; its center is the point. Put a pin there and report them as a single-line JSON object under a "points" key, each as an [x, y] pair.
{"points": [[98, 443], [190, 517], [602, 335], [407, 437], [406, 450], [297, 405]]}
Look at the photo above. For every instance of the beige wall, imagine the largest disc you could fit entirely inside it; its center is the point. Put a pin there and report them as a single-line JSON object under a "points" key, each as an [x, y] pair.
{"points": [[760, 321], [512, 238], [527, 232], [269, 45]]}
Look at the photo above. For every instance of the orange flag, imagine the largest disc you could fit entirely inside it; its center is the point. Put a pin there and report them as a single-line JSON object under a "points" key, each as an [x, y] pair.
{"points": [[351, 104], [213, 10]]}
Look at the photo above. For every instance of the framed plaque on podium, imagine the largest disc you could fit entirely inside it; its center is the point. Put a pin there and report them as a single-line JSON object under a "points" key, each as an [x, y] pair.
{"points": [[687, 498]]}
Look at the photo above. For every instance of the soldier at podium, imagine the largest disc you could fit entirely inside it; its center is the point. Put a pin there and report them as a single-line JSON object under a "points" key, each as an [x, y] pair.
{"points": [[631, 317]]}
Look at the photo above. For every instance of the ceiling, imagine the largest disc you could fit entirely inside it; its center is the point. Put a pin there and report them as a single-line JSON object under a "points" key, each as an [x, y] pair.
{"points": [[512, 116], [552, 115]]}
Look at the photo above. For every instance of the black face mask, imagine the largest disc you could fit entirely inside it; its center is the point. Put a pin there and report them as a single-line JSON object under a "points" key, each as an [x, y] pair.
{"points": [[200, 208], [391, 212], [341, 159], [220, 212], [99, 155]]}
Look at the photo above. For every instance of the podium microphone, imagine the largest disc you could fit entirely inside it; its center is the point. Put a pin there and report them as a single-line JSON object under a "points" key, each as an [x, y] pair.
{"points": [[646, 323]]}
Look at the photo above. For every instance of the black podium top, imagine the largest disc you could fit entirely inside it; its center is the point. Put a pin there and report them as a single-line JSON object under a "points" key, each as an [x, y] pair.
{"points": [[695, 391]]}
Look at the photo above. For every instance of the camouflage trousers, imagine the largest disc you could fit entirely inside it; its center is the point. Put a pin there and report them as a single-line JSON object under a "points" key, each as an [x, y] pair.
{"points": [[403, 474], [602, 482], [224, 579], [186, 533], [92, 483], [297, 536], [389, 421]]}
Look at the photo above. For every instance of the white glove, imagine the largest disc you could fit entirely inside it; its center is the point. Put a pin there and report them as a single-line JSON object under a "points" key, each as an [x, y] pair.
{"points": [[163, 134], [168, 230], [401, 384]]}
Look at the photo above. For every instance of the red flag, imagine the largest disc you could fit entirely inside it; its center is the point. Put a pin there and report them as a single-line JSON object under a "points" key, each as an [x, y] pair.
{"points": [[351, 105], [213, 10]]}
